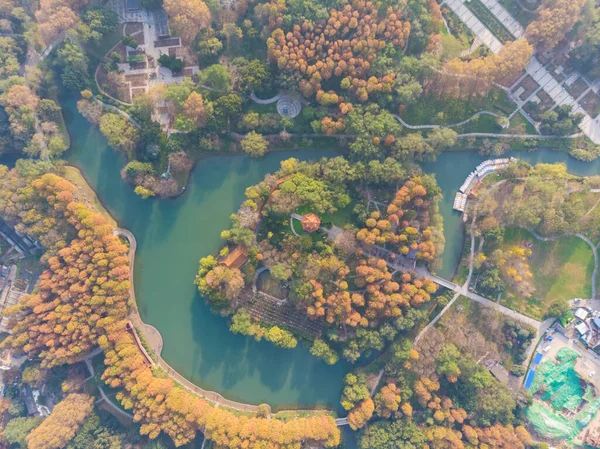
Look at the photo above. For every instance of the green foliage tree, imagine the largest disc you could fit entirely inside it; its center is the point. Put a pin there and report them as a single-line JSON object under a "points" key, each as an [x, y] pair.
{"points": [[254, 75], [216, 77], [254, 144], [100, 21], [399, 434], [119, 132], [442, 138], [129, 41], [560, 121], [447, 362], [171, 62], [355, 390], [144, 192], [239, 236], [322, 350], [17, 430], [135, 168], [280, 272]]}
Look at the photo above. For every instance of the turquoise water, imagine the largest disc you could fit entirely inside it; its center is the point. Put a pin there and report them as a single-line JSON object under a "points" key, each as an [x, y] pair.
{"points": [[174, 234]]}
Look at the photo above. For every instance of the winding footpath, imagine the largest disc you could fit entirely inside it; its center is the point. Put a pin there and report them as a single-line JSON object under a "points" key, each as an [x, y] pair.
{"points": [[453, 125], [257, 100], [118, 111], [111, 404]]}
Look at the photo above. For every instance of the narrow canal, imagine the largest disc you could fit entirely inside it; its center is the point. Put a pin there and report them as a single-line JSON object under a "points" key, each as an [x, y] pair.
{"points": [[173, 234]]}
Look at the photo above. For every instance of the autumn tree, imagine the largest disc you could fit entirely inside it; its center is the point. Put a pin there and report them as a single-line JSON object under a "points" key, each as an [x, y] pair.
{"points": [[460, 78], [188, 17], [194, 109], [55, 17], [344, 46], [361, 414], [62, 424], [254, 144], [81, 303], [119, 132], [388, 400], [555, 18]]}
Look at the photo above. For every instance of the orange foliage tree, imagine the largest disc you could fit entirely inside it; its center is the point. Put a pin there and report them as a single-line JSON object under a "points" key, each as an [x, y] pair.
{"points": [[406, 224], [554, 20], [343, 47], [460, 78], [82, 302], [361, 414], [62, 424]]}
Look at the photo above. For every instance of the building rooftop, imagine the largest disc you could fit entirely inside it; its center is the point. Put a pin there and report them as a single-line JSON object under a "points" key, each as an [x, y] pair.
{"points": [[310, 222], [581, 313], [582, 328], [235, 258]]}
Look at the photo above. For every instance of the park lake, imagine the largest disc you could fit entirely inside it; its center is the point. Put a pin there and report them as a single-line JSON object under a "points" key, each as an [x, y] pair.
{"points": [[174, 234]]}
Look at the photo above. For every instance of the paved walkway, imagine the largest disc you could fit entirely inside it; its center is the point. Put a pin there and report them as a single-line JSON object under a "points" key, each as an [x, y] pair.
{"points": [[472, 49], [475, 25], [453, 125], [111, 404], [118, 111], [514, 27], [257, 100]]}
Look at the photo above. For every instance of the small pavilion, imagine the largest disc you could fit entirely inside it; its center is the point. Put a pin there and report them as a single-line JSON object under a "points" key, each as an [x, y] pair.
{"points": [[310, 222]]}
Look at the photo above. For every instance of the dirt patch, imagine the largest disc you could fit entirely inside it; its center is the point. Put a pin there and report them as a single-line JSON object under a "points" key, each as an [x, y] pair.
{"points": [[529, 85], [120, 92], [137, 80], [577, 88], [121, 50], [171, 42], [188, 73], [591, 104], [132, 27], [138, 91], [140, 39]]}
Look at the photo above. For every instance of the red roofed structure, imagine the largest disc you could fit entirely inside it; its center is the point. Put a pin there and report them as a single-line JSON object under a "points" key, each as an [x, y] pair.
{"points": [[310, 222]]}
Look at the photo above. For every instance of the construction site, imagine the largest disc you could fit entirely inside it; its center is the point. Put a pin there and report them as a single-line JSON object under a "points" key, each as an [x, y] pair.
{"points": [[565, 386]]}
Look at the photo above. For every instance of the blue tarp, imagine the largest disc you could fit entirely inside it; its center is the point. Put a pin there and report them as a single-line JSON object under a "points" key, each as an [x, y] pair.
{"points": [[538, 358], [529, 380]]}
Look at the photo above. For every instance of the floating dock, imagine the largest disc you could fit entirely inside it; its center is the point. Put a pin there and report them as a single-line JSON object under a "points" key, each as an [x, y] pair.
{"points": [[481, 171]]}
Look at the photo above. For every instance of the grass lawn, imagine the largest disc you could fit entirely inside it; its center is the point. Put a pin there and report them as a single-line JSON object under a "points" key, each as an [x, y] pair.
{"points": [[342, 216], [561, 269], [443, 111], [107, 42], [73, 175], [519, 14], [297, 226]]}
